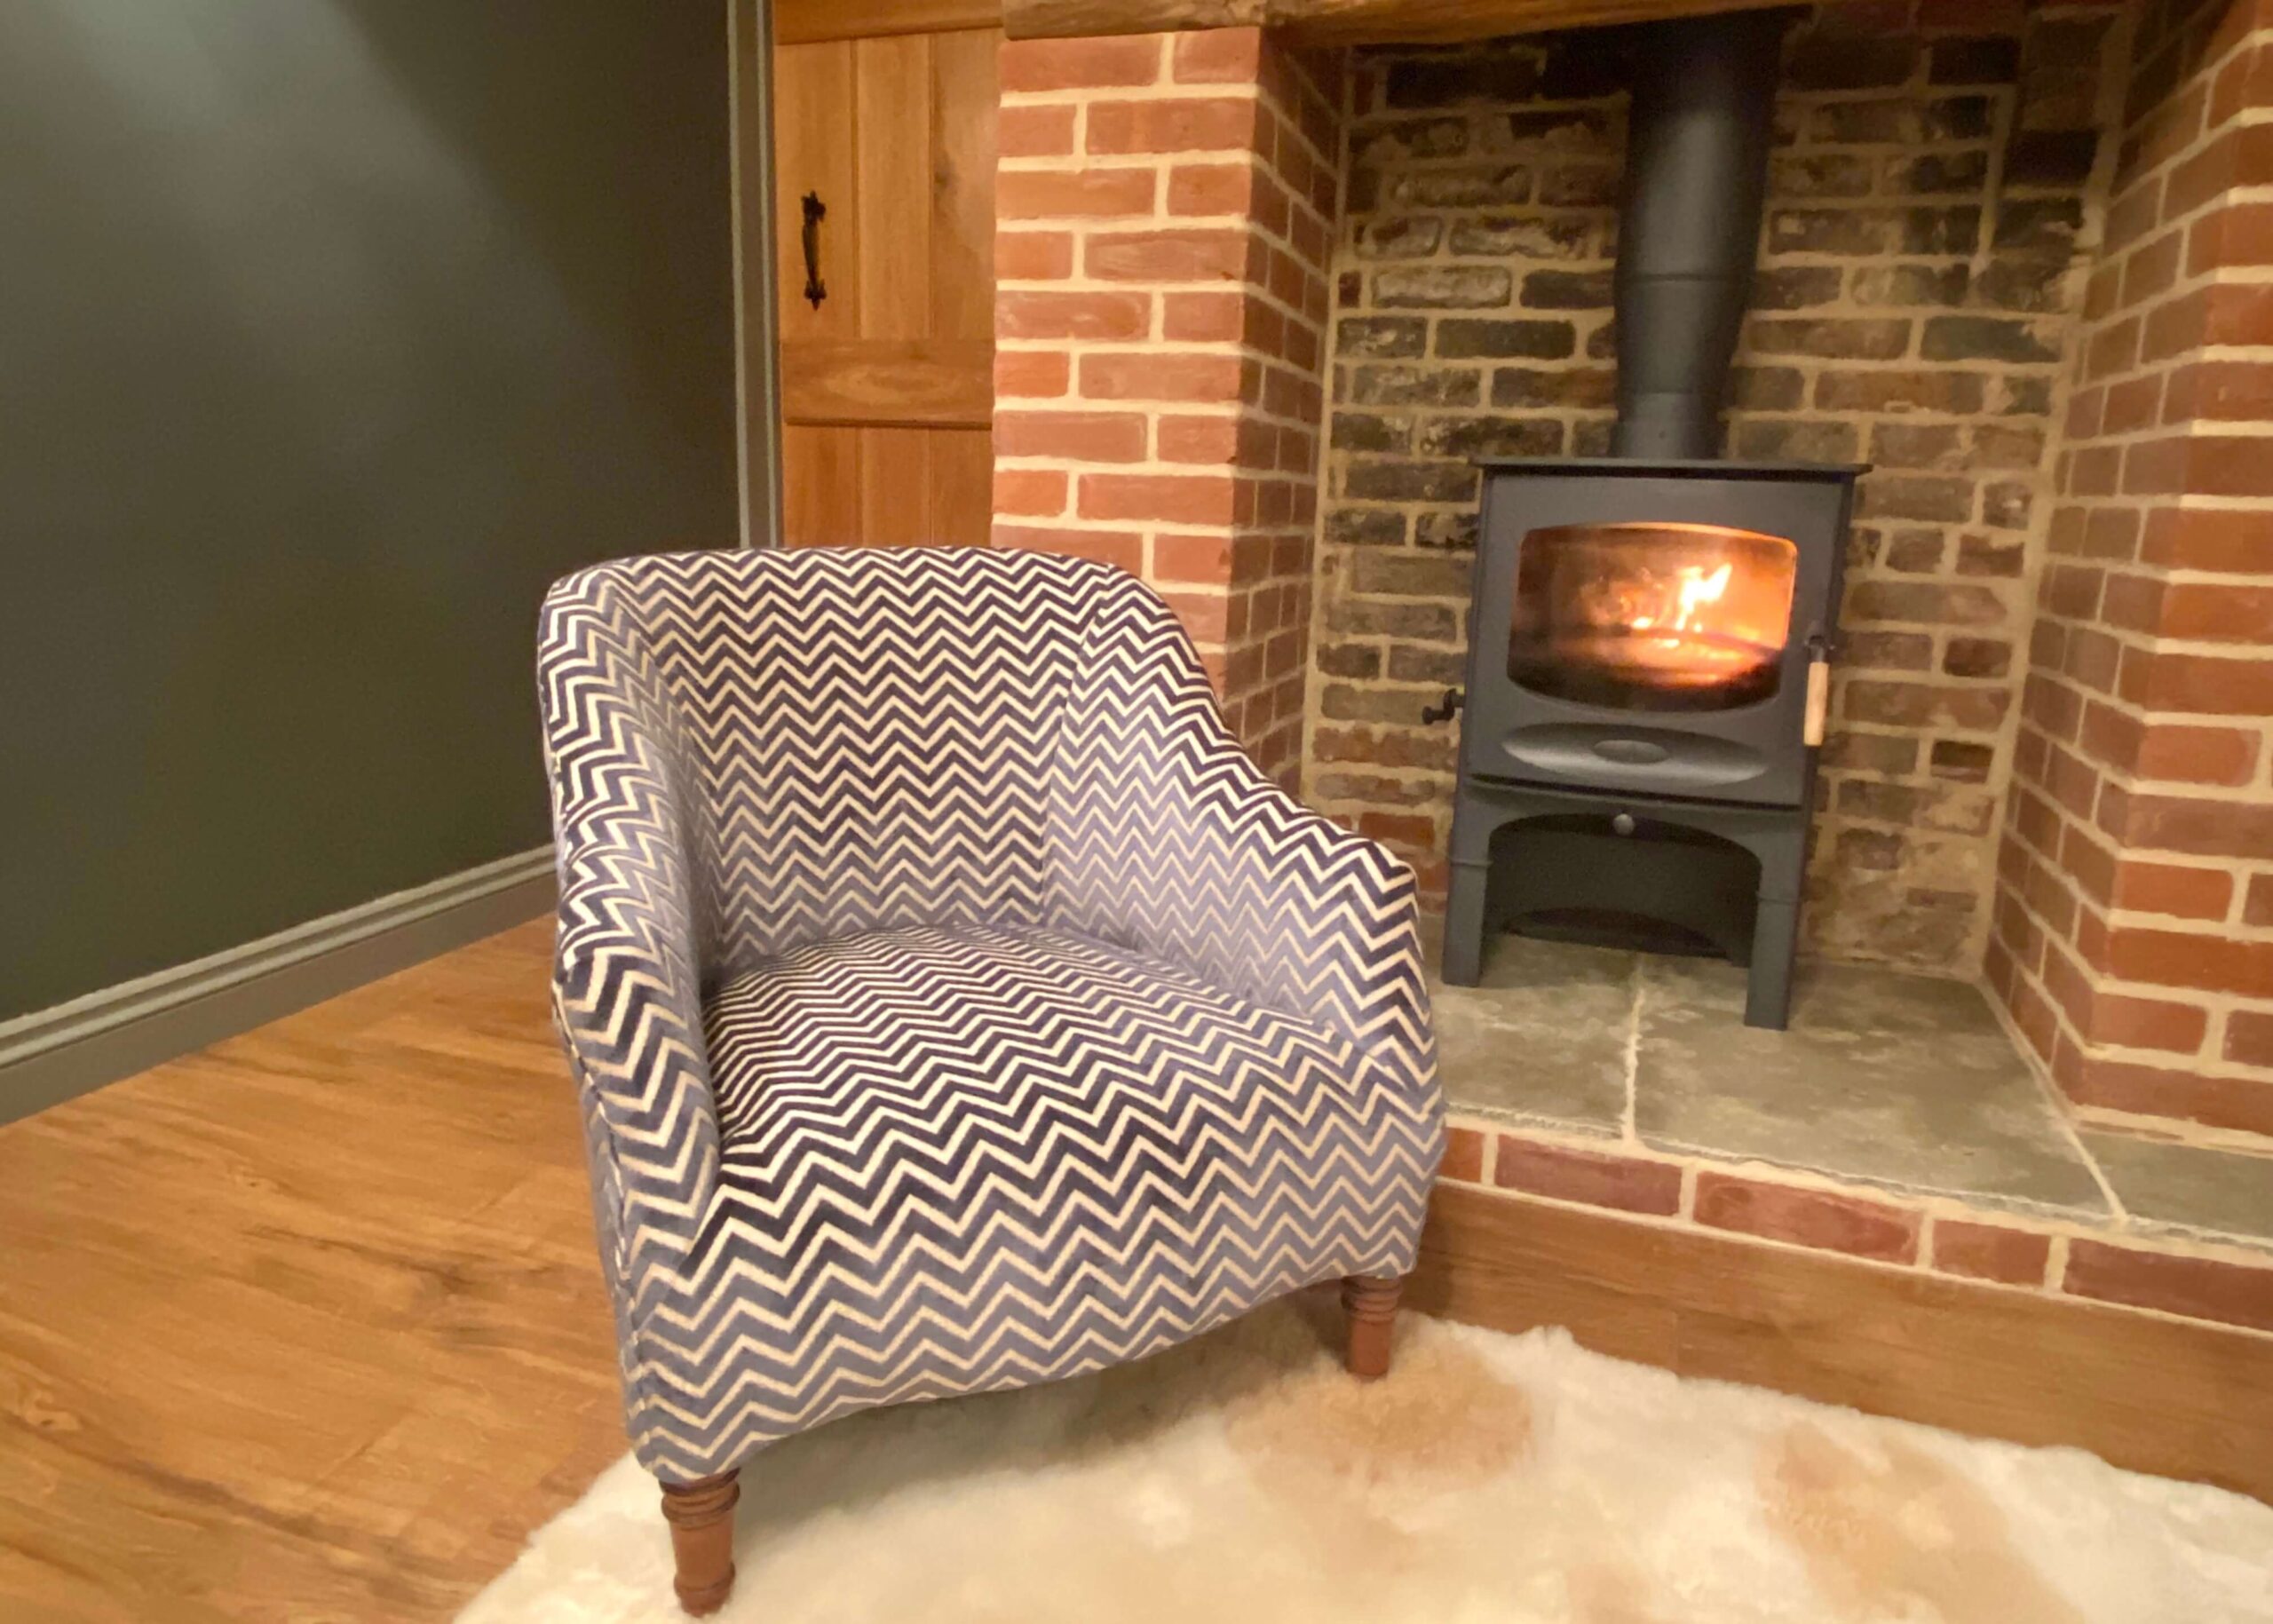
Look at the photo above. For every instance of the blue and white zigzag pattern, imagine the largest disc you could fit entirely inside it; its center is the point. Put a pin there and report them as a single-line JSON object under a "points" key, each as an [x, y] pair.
{"points": [[955, 1005]]}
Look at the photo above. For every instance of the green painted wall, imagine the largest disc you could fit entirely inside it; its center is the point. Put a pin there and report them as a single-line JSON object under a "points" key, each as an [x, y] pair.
{"points": [[330, 332]]}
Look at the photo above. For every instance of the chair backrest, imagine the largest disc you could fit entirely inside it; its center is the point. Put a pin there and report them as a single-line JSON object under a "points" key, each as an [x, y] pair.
{"points": [[863, 738]]}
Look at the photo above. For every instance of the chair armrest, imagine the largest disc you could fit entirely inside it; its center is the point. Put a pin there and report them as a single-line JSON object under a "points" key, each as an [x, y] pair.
{"points": [[1297, 912], [1167, 836], [627, 971]]}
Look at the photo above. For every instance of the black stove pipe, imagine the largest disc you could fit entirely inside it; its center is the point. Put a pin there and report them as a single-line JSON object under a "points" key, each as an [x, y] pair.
{"points": [[1704, 97]]}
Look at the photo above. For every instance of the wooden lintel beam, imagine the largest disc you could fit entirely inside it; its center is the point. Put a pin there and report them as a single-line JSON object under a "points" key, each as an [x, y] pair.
{"points": [[1343, 22]]}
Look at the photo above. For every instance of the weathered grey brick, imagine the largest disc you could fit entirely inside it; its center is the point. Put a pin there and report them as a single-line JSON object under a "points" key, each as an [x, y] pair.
{"points": [[1342, 702], [1939, 171], [1977, 657], [1892, 754], [1401, 236], [1938, 391], [1462, 338], [1454, 531], [1987, 338], [1951, 229], [1820, 174], [1914, 551], [1590, 388], [1410, 662], [1794, 439], [1766, 389], [1990, 554], [2006, 503], [1443, 287], [1363, 617], [1578, 185], [1926, 603], [1795, 287], [1370, 431], [1918, 444], [1832, 230], [1962, 760], [1395, 385], [1365, 526], [1470, 185], [1558, 129], [1910, 285], [1409, 137], [1468, 436], [1949, 500], [1876, 121], [1349, 660], [2039, 222], [1403, 480], [1887, 651], [1566, 290], [2015, 396], [2028, 281], [1410, 574], [1839, 337], [1382, 336], [1523, 236]]}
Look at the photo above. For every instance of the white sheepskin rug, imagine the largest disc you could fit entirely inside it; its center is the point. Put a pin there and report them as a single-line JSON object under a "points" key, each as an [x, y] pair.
{"points": [[1244, 1479]]}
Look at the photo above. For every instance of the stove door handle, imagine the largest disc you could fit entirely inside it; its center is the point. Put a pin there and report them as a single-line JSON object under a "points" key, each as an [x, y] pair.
{"points": [[1445, 709]]}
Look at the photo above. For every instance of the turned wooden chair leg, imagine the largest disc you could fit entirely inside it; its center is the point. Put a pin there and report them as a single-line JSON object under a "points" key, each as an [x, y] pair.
{"points": [[1370, 1301], [701, 1516]]}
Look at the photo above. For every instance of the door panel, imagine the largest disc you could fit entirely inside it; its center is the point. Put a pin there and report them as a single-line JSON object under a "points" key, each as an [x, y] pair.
{"points": [[820, 486], [891, 120], [896, 487], [812, 152], [962, 483], [888, 387], [964, 103]]}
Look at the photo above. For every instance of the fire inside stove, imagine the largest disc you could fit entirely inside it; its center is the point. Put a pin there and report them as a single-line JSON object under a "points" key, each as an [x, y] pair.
{"points": [[1652, 616]]}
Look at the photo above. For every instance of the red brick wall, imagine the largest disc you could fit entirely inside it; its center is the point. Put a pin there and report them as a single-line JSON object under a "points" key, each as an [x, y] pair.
{"points": [[2133, 926], [1165, 205]]}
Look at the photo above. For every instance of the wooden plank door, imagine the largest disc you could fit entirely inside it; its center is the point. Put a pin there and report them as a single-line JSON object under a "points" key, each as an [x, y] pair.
{"points": [[887, 380]]}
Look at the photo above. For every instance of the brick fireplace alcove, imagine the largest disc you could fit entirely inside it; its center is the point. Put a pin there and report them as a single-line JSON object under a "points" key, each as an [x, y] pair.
{"points": [[1260, 307]]}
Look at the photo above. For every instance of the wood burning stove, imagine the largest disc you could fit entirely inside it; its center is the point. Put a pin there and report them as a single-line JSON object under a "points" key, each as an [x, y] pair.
{"points": [[1649, 644], [1647, 658]]}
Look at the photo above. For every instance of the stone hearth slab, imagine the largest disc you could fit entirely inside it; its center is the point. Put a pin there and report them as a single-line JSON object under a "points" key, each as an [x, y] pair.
{"points": [[1884, 1078], [2187, 1187], [1900, 1080], [1544, 1040]]}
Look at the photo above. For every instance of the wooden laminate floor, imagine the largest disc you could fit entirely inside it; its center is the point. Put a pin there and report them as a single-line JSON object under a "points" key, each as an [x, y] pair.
{"points": [[308, 1326]]}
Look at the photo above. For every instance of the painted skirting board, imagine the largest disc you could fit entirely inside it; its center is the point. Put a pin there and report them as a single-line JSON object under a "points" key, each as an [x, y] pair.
{"points": [[51, 1055]]}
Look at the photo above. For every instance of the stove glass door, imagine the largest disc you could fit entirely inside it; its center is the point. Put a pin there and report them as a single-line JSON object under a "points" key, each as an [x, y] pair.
{"points": [[1652, 616]]}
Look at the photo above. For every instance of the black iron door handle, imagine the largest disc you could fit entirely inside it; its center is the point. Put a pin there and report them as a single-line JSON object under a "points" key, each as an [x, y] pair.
{"points": [[816, 290], [1445, 708]]}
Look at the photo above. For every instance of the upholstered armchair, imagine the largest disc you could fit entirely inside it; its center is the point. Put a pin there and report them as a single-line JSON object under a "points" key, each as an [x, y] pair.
{"points": [[953, 1005]]}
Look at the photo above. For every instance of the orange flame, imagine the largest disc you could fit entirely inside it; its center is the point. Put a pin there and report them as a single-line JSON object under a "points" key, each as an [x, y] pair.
{"points": [[1698, 589]]}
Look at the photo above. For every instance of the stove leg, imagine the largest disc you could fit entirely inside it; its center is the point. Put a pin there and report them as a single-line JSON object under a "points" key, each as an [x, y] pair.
{"points": [[1463, 964], [1783, 854]]}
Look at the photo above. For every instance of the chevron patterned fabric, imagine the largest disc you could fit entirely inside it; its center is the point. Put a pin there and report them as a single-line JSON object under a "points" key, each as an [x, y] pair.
{"points": [[955, 1006]]}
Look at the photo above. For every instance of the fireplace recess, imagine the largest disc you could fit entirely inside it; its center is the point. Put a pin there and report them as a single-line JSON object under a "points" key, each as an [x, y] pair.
{"points": [[1650, 644]]}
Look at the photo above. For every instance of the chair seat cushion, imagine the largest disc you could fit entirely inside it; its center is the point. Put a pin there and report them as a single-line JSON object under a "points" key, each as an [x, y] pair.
{"points": [[961, 1157]]}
